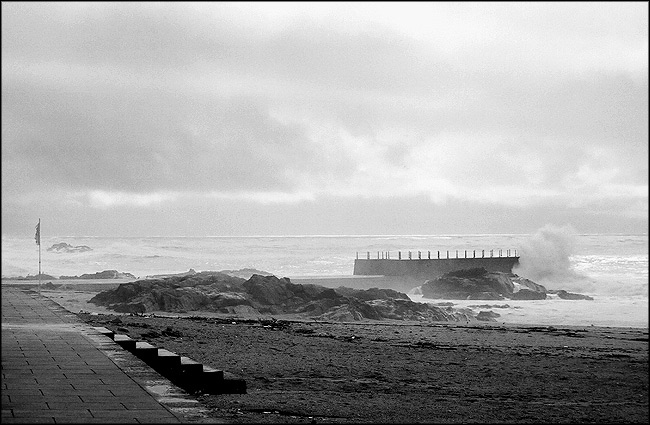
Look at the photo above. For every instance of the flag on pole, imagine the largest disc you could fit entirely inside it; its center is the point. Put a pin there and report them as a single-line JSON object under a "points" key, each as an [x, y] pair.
{"points": [[38, 233]]}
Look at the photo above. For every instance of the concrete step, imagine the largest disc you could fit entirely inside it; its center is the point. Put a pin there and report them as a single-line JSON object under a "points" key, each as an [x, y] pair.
{"points": [[185, 372], [188, 375], [212, 374], [145, 351], [166, 360], [102, 330], [125, 342], [190, 366]]}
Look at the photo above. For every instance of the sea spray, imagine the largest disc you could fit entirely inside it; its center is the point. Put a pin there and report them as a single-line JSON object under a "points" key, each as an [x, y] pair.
{"points": [[546, 259]]}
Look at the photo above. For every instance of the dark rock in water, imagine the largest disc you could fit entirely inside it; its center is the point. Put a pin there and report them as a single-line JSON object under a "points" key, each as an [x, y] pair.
{"points": [[527, 284], [527, 294], [561, 293], [480, 284], [218, 292], [477, 284], [106, 274], [64, 247], [487, 316]]}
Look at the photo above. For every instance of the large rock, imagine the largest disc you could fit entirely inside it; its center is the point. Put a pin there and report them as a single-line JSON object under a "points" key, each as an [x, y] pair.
{"points": [[372, 293], [561, 293], [479, 284], [487, 316], [474, 284], [218, 292]]}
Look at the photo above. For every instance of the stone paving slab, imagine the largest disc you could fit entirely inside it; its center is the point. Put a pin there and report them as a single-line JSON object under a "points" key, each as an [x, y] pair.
{"points": [[57, 369]]}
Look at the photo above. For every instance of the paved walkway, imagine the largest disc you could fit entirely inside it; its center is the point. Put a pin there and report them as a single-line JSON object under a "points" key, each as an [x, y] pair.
{"points": [[57, 369]]}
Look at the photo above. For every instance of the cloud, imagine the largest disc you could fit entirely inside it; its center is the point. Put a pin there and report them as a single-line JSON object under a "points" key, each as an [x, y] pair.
{"points": [[145, 104]]}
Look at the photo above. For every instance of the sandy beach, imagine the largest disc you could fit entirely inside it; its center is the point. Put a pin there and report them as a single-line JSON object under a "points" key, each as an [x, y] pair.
{"points": [[301, 371]]}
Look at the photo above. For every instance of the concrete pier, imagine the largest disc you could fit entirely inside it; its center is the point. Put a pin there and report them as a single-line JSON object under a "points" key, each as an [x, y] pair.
{"points": [[430, 268]]}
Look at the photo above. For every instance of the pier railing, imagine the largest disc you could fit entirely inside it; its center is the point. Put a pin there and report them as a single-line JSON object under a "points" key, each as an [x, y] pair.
{"points": [[386, 255]]}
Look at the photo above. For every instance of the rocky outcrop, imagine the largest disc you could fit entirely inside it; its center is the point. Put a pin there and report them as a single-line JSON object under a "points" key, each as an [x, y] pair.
{"points": [[561, 293], [67, 248], [472, 284], [479, 284], [218, 292], [372, 294], [42, 276], [487, 316], [106, 274]]}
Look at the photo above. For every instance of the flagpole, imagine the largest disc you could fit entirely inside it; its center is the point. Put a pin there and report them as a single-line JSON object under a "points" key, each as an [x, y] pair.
{"points": [[39, 256]]}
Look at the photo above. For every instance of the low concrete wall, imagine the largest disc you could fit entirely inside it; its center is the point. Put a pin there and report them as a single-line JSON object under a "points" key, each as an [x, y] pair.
{"points": [[431, 268]]}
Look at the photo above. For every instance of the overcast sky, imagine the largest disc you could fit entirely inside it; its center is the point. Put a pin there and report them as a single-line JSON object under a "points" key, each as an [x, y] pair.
{"points": [[197, 119]]}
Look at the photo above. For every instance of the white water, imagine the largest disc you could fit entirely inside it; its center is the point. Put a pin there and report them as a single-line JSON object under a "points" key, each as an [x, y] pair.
{"points": [[611, 268]]}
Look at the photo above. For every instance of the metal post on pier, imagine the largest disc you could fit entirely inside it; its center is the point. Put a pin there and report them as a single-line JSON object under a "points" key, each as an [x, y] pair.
{"points": [[399, 255], [368, 252], [419, 255], [456, 253], [447, 254], [465, 253], [438, 255], [483, 253], [429, 255]]}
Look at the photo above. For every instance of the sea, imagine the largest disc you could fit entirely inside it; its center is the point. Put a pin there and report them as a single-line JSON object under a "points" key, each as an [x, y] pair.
{"points": [[610, 268]]}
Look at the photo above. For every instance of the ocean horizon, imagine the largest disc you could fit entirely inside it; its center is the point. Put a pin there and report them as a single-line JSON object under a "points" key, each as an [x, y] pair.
{"points": [[612, 268]]}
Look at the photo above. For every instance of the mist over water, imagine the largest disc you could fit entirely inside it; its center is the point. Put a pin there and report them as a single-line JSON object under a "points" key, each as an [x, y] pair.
{"points": [[546, 255], [611, 268], [546, 258]]}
